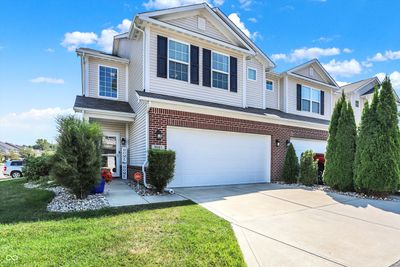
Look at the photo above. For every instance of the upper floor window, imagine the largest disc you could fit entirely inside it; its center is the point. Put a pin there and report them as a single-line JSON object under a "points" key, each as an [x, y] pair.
{"points": [[220, 70], [357, 103], [251, 74], [178, 55], [269, 85], [310, 99], [108, 81]]}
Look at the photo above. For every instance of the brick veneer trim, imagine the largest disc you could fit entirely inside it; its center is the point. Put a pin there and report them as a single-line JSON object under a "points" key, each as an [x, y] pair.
{"points": [[161, 118]]}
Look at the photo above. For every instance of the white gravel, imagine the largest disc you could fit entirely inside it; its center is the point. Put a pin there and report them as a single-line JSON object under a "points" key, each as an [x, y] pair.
{"points": [[351, 194]]}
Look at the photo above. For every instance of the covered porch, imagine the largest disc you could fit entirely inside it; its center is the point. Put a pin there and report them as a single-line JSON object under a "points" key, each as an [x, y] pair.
{"points": [[115, 118]]}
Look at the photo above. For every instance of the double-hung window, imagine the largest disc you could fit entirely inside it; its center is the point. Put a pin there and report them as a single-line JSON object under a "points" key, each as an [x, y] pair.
{"points": [[108, 84], [269, 85], [310, 99], [178, 60], [220, 70]]}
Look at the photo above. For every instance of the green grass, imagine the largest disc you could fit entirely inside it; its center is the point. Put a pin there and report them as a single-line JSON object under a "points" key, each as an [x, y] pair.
{"points": [[169, 234]]}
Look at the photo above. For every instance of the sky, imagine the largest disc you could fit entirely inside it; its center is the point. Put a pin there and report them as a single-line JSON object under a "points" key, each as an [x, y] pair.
{"points": [[40, 72]]}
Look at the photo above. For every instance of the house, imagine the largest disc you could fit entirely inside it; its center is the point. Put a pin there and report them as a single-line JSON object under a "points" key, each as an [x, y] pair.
{"points": [[189, 80]]}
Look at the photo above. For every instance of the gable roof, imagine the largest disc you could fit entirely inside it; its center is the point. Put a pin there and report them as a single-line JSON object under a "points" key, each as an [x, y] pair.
{"points": [[247, 46], [330, 81], [351, 87], [100, 54]]}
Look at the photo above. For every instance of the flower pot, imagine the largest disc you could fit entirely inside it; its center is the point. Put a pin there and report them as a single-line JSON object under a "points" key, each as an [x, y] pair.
{"points": [[99, 188]]}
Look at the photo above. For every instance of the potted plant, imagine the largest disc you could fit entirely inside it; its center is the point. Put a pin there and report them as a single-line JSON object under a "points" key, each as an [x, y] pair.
{"points": [[106, 177]]}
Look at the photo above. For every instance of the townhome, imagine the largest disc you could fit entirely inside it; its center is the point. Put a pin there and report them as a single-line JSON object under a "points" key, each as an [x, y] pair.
{"points": [[189, 80]]}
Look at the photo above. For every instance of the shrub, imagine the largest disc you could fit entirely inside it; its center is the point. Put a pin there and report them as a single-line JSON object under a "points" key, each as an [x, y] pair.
{"points": [[36, 168], [308, 168], [77, 159], [291, 166], [161, 167]]}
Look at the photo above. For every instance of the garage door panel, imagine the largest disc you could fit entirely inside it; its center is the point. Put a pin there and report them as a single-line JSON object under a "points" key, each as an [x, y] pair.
{"points": [[205, 157], [301, 145]]}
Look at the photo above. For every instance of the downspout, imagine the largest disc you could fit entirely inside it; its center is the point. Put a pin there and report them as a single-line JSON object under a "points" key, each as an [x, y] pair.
{"points": [[146, 146], [82, 73]]}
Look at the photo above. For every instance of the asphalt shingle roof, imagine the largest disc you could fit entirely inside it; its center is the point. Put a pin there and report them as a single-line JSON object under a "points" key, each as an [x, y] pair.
{"points": [[102, 104]]}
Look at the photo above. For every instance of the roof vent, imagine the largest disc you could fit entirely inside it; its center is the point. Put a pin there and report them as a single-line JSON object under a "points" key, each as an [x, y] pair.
{"points": [[201, 23]]}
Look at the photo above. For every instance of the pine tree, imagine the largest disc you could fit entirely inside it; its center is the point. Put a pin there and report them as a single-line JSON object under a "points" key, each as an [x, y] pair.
{"points": [[291, 166], [308, 168], [345, 150], [330, 156]]}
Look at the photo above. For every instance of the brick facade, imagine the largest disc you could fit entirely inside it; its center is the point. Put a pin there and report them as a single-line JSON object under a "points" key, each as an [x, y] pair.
{"points": [[161, 118]]}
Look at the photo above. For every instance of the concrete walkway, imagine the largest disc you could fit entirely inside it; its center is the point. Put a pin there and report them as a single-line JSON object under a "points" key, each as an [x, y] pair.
{"points": [[121, 194], [287, 226]]}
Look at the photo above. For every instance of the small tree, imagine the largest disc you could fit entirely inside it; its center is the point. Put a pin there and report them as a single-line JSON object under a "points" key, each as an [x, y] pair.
{"points": [[308, 168], [37, 167], [78, 155], [291, 166], [331, 164], [42, 144], [26, 152], [161, 167]]}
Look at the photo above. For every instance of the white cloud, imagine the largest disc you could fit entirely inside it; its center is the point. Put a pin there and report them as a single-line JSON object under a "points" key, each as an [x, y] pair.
{"points": [[49, 50], [326, 39], [245, 3], [26, 127], [74, 39], [252, 20], [347, 50], [50, 80], [341, 83], [234, 17], [388, 55], [307, 53], [394, 78], [106, 39], [124, 25], [346, 68], [367, 64], [160, 4]]}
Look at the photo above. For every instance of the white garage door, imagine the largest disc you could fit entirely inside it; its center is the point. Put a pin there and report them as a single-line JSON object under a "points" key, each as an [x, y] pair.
{"points": [[301, 145], [205, 157]]}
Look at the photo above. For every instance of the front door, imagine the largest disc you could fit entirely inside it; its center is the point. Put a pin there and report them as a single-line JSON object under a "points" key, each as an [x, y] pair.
{"points": [[111, 153]]}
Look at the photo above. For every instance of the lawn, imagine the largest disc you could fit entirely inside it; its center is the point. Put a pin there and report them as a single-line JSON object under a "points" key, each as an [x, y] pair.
{"points": [[169, 234]]}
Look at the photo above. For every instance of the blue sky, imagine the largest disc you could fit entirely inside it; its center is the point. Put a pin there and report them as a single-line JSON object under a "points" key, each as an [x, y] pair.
{"points": [[40, 73]]}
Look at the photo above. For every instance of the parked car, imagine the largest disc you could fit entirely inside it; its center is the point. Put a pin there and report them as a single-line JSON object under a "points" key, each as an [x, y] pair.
{"points": [[13, 168]]}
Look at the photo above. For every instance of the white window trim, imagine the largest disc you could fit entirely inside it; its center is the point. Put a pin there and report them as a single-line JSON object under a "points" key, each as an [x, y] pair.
{"points": [[98, 81], [272, 85], [250, 68], [178, 61], [310, 99], [220, 71]]}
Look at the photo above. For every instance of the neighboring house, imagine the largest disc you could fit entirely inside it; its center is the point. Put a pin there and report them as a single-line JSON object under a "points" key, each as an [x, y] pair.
{"points": [[189, 80], [8, 147]]}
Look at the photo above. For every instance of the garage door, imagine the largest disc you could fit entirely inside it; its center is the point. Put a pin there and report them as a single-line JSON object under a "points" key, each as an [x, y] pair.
{"points": [[301, 145], [205, 157]]}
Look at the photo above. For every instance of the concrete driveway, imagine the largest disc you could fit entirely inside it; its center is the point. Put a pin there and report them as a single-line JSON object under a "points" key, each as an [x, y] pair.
{"points": [[287, 226]]}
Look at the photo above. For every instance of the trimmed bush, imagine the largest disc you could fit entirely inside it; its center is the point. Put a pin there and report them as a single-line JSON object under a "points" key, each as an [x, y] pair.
{"points": [[161, 168], [77, 159], [308, 169], [36, 168], [291, 166]]}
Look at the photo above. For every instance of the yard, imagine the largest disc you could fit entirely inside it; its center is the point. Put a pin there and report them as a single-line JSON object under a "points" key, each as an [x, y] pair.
{"points": [[172, 234]]}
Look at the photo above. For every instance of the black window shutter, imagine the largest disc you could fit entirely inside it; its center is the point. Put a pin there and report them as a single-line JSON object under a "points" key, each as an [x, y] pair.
{"points": [[298, 96], [194, 64], [233, 74], [162, 46], [322, 102], [206, 67]]}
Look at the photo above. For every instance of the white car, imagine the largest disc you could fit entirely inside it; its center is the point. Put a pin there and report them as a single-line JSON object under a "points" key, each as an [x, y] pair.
{"points": [[13, 168]]}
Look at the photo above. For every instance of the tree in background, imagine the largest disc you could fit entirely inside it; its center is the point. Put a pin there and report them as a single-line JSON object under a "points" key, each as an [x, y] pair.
{"points": [[26, 152], [77, 159], [330, 157], [291, 166], [42, 144], [308, 168], [346, 136]]}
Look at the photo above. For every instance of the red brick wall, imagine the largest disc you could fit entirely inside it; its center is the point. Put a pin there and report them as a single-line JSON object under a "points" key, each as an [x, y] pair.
{"points": [[161, 118]]}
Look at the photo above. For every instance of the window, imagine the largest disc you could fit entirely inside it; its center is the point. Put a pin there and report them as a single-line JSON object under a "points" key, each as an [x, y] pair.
{"points": [[108, 81], [269, 85], [220, 70], [251, 74], [178, 55], [310, 99], [357, 103]]}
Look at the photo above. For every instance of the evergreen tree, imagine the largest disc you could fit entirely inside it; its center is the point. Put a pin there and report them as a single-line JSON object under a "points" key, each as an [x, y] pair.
{"points": [[345, 150], [308, 168], [291, 166], [330, 155]]}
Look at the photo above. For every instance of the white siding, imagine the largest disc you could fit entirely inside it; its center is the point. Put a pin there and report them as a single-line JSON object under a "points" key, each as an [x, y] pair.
{"points": [[272, 97], [112, 126], [137, 135], [306, 72], [292, 99], [93, 77], [255, 88], [186, 89]]}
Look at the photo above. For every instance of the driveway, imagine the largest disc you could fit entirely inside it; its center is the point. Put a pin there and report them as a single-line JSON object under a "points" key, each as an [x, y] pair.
{"points": [[287, 226]]}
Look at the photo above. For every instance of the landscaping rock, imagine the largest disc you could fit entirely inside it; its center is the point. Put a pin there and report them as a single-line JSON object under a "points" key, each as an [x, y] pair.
{"points": [[31, 185], [143, 191]]}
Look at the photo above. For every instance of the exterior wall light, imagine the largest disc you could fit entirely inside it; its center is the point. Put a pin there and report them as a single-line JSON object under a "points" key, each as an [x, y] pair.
{"points": [[123, 141], [159, 134], [277, 142]]}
